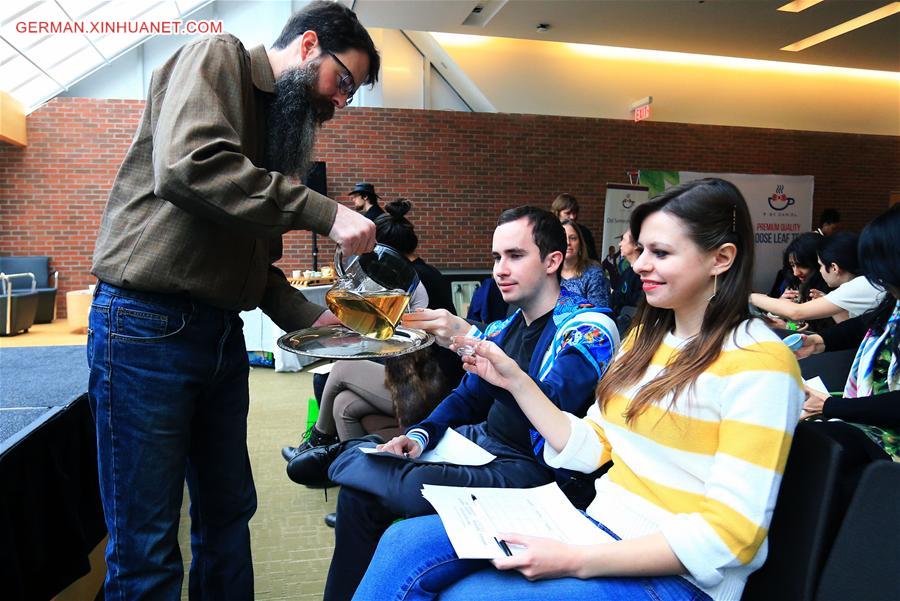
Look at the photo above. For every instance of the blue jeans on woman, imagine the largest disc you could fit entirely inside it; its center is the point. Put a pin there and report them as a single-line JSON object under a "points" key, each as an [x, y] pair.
{"points": [[169, 391], [416, 561]]}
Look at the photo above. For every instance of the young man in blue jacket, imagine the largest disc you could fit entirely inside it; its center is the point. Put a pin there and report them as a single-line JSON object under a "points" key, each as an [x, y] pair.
{"points": [[562, 341]]}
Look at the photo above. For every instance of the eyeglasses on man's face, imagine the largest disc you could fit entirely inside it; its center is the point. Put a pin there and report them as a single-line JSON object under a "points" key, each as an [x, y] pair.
{"points": [[346, 83]]}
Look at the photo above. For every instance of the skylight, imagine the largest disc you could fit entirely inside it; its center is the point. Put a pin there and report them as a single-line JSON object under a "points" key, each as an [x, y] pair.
{"points": [[47, 46]]}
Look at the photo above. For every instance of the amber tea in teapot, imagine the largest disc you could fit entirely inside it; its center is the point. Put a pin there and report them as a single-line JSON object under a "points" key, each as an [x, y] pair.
{"points": [[372, 314]]}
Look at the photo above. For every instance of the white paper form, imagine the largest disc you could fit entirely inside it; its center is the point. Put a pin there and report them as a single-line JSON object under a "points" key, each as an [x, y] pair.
{"points": [[452, 448], [543, 511], [817, 384]]}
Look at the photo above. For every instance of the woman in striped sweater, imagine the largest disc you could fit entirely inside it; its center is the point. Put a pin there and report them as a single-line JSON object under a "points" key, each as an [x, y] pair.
{"points": [[696, 412]]}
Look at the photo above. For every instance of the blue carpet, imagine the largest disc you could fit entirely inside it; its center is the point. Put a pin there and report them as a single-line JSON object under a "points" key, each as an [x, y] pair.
{"points": [[42, 376], [14, 420]]}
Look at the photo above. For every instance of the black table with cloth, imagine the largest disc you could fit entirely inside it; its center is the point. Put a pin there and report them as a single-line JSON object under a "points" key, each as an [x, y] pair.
{"points": [[50, 512]]}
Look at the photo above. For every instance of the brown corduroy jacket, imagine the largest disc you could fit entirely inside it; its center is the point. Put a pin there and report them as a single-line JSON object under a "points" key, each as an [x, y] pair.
{"points": [[193, 208]]}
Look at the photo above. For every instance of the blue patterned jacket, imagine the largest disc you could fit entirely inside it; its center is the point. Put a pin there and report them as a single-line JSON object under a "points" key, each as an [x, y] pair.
{"points": [[573, 352]]}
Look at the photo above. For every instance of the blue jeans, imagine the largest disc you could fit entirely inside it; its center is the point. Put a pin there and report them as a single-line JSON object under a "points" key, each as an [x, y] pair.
{"points": [[415, 561], [375, 491], [169, 392]]}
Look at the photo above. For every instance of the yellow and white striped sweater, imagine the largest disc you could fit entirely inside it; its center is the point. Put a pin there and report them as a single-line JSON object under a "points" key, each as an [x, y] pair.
{"points": [[706, 473]]}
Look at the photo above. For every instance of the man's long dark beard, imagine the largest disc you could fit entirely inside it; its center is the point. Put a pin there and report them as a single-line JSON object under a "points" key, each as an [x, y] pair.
{"points": [[295, 115]]}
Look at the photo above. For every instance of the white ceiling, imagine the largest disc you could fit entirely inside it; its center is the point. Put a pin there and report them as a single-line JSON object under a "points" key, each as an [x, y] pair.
{"points": [[737, 28], [37, 67]]}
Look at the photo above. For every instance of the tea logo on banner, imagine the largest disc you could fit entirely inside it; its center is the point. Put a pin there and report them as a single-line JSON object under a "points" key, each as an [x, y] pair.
{"points": [[779, 201]]}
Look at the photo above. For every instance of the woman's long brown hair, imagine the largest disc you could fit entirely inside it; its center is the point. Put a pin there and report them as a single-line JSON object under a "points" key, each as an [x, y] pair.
{"points": [[582, 260], [714, 213]]}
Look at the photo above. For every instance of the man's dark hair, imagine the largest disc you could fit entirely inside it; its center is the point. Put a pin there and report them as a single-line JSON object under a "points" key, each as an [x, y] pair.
{"points": [[830, 216], [338, 29], [369, 198], [546, 230]]}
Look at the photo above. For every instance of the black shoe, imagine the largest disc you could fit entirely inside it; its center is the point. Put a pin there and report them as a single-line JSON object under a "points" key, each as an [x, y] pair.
{"points": [[310, 467], [330, 519], [288, 452], [311, 438]]}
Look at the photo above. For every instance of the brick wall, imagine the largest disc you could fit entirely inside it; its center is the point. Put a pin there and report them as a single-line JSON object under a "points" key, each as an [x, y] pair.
{"points": [[460, 170]]}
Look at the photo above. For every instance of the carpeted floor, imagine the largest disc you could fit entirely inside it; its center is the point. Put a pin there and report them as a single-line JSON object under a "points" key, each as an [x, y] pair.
{"points": [[35, 379], [290, 542], [42, 376]]}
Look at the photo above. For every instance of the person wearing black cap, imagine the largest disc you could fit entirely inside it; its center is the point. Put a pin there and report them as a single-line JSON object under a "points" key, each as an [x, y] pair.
{"points": [[366, 201]]}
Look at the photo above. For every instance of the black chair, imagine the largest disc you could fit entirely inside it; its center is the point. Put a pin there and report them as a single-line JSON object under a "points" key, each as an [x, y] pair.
{"points": [[807, 515], [17, 309], [45, 288], [833, 367], [865, 559]]}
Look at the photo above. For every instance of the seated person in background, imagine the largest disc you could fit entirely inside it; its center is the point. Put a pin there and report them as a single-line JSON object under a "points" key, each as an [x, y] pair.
{"points": [[870, 408], [803, 282], [697, 412], [487, 303], [852, 294], [840, 337], [611, 267], [829, 222], [629, 293], [565, 206], [580, 275], [397, 228], [355, 389], [802, 259], [564, 348]]}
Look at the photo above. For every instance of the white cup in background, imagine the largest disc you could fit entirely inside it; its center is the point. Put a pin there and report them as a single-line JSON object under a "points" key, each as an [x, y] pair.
{"points": [[296, 274], [91, 288]]}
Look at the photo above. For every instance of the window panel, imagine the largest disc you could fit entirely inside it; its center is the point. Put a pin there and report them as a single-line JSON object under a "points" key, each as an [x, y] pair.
{"points": [[37, 91], [80, 9], [15, 73], [74, 65]]}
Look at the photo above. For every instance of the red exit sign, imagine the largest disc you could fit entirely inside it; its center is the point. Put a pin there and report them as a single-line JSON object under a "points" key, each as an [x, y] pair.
{"points": [[641, 113]]}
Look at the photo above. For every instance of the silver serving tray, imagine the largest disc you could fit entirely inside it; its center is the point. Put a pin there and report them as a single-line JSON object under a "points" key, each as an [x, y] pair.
{"points": [[340, 342]]}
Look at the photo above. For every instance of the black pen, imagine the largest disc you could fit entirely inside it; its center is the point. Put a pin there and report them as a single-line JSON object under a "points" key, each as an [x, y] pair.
{"points": [[487, 522], [502, 544]]}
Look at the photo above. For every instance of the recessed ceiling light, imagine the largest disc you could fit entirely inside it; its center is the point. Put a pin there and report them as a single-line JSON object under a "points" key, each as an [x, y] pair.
{"points": [[861, 21], [797, 5]]}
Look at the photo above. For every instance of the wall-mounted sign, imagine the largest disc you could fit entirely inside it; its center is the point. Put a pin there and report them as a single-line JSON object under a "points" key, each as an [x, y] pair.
{"points": [[641, 113]]}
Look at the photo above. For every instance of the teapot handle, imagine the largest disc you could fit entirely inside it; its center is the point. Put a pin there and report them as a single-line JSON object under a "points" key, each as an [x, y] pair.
{"points": [[339, 263]]}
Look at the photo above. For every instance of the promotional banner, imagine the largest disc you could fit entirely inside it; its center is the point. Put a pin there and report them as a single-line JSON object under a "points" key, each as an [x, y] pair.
{"points": [[780, 207], [620, 201]]}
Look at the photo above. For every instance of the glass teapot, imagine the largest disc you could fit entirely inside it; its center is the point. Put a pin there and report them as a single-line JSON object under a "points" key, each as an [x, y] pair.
{"points": [[372, 291]]}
